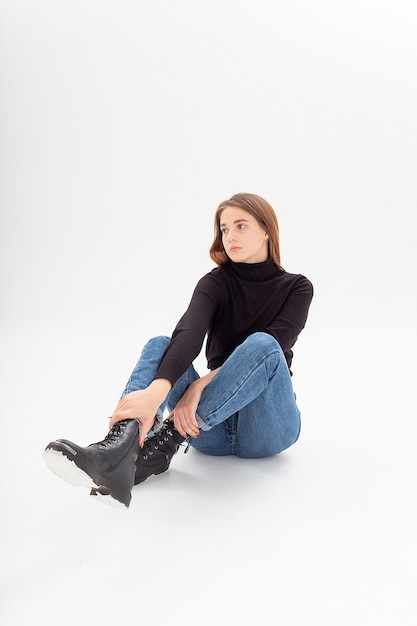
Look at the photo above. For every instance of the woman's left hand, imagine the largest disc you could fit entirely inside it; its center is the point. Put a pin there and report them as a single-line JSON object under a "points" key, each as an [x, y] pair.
{"points": [[184, 412]]}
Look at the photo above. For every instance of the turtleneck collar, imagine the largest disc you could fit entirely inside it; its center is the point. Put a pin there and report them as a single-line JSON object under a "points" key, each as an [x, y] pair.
{"points": [[254, 272]]}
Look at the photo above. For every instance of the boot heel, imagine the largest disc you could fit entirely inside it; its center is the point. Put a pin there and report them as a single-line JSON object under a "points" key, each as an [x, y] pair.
{"points": [[115, 498]]}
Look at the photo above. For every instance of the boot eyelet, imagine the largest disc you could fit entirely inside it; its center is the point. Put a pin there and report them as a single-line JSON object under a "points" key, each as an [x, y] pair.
{"points": [[150, 452], [144, 457]]}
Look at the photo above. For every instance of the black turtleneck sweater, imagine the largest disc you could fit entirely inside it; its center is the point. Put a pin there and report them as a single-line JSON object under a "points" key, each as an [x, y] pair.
{"points": [[229, 304]]}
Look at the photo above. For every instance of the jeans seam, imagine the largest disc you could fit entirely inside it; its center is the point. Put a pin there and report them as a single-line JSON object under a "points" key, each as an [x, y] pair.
{"points": [[234, 441]]}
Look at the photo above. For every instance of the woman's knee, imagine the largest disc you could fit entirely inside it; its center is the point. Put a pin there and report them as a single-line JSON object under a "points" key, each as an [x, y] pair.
{"points": [[262, 340], [158, 342], [263, 346]]}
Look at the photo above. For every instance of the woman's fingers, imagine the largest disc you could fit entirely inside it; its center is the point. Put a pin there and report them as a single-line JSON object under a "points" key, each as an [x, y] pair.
{"points": [[145, 426], [186, 424]]}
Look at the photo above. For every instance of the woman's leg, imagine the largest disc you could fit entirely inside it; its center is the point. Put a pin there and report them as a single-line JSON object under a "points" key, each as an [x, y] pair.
{"points": [[147, 365], [250, 404]]}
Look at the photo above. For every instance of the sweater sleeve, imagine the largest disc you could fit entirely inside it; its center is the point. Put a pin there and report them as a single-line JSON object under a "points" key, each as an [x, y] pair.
{"points": [[290, 321], [188, 336]]}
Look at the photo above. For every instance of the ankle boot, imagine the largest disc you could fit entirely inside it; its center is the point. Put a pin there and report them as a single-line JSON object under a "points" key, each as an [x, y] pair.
{"points": [[107, 467], [157, 452]]}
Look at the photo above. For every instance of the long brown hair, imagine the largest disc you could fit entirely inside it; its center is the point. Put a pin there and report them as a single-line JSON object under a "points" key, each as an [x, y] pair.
{"points": [[262, 211]]}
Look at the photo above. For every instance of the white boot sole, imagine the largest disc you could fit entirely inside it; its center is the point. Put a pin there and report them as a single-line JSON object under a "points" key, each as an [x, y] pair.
{"points": [[67, 470]]}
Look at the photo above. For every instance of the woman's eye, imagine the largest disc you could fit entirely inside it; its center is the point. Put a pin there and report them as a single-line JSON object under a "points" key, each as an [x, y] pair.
{"points": [[241, 226], [224, 231]]}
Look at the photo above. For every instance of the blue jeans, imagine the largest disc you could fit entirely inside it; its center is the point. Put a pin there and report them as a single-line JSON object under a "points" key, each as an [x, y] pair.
{"points": [[248, 409]]}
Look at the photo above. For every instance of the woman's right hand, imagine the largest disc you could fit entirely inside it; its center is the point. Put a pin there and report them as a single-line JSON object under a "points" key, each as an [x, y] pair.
{"points": [[142, 405]]}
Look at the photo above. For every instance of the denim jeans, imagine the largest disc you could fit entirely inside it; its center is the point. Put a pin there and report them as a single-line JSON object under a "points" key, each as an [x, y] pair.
{"points": [[248, 409]]}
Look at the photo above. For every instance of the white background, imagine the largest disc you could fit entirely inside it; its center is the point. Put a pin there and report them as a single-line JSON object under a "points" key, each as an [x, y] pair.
{"points": [[123, 125]]}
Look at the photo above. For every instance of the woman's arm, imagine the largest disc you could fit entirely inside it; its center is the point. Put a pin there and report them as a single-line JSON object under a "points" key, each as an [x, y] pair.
{"points": [[293, 315], [188, 336]]}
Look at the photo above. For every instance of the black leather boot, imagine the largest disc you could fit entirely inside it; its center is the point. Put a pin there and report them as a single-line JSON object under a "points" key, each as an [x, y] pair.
{"points": [[157, 452], [107, 467]]}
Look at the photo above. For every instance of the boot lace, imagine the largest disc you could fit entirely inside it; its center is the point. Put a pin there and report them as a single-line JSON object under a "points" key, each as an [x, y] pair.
{"points": [[112, 436], [153, 444]]}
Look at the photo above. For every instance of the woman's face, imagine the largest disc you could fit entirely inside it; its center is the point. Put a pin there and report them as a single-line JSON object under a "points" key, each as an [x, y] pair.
{"points": [[244, 240]]}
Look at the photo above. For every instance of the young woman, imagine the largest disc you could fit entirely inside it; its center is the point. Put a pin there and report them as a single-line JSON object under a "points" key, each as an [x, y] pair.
{"points": [[251, 311]]}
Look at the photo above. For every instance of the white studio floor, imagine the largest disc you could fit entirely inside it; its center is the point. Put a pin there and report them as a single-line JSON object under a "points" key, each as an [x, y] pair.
{"points": [[323, 534], [123, 125]]}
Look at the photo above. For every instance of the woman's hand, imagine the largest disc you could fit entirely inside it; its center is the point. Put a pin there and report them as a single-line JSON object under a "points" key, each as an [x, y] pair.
{"points": [[186, 409], [184, 412], [142, 405]]}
